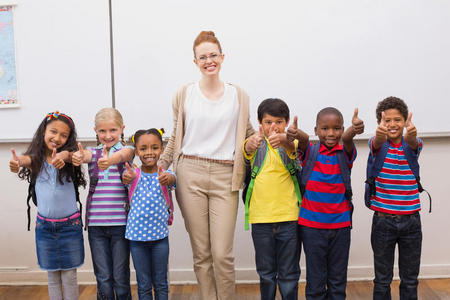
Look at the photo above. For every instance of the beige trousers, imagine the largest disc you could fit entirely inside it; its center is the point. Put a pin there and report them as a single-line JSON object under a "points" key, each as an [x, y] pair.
{"points": [[209, 209]]}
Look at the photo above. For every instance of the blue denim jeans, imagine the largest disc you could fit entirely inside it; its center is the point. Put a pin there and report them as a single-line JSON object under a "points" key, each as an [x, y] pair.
{"points": [[277, 256], [111, 259], [326, 254], [151, 260], [387, 231]]}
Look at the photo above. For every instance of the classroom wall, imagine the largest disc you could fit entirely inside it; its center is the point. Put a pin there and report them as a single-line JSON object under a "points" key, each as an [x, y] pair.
{"points": [[18, 264]]}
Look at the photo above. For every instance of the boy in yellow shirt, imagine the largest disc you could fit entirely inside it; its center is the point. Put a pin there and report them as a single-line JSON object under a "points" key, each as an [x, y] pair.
{"points": [[273, 202]]}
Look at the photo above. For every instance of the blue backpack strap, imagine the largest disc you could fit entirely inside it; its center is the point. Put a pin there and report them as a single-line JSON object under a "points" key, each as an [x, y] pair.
{"points": [[374, 166], [346, 174], [309, 165], [413, 163], [346, 177], [258, 163]]}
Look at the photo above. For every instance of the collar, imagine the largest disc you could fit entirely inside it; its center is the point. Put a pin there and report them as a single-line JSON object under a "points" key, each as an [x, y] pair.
{"points": [[326, 151], [117, 146]]}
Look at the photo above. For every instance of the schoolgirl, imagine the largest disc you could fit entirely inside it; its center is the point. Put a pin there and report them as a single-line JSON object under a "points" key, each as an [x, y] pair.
{"points": [[59, 230], [106, 206], [150, 214]]}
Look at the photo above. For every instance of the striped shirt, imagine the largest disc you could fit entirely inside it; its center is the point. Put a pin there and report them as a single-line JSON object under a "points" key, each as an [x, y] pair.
{"points": [[324, 205], [107, 206], [396, 187]]}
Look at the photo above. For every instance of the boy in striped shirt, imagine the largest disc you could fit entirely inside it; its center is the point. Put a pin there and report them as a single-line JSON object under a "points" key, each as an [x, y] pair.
{"points": [[325, 214], [396, 202]]}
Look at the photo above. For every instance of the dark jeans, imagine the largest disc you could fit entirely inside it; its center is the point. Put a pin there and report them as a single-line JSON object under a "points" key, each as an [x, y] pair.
{"points": [[326, 254], [277, 255], [387, 231], [111, 259], [151, 260]]}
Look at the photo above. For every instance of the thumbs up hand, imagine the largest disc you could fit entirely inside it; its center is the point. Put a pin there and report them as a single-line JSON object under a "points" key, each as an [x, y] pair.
{"points": [[14, 163], [165, 178], [382, 131], [274, 138], [254, 141], [103, 162], [357, 123], [57, 161], [129, 175], [411, 132], [291, 133], [78, 156]]}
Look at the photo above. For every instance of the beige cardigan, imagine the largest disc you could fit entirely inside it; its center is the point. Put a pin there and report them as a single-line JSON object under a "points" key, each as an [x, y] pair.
{"points": [[244, 129]]}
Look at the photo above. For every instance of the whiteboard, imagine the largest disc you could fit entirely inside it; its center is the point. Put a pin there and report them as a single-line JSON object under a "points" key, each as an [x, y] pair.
{"points": [[312, 54], [63, 63]]}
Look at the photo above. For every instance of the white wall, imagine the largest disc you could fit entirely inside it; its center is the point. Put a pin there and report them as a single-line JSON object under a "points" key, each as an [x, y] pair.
{"points": [[18, 262]]}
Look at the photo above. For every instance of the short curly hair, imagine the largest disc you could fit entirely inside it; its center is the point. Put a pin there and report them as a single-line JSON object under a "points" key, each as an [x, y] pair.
{"points": [[392, 103]]}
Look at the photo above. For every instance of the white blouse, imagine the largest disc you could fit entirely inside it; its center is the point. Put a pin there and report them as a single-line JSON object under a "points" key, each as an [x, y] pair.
{"points": [[210, 125]]}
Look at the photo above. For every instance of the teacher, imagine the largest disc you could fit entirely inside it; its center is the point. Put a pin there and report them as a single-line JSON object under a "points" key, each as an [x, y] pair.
{"points": [[211, 122]]}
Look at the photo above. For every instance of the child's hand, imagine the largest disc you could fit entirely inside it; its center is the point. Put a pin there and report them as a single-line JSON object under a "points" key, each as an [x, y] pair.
{"points": [[291, 133], [274, 137], [254, 141], [57, 161], [78, 156], [103, 163], [411, 132], [129, 175], [165, 178], [14, 163], [382, 131], [357, 123]]}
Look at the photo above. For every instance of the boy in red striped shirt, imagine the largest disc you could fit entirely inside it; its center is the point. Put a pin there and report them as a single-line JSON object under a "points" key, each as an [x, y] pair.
{"points": [[325, 214], [396, 201]]}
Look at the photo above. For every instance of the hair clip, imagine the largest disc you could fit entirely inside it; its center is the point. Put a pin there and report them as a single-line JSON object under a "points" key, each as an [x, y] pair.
{"points": [[160, 132], [132, 139], [51, 115], [56, 115]]}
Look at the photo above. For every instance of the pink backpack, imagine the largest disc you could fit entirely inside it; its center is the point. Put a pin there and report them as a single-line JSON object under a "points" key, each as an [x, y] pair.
{"points": [[165, 191]]}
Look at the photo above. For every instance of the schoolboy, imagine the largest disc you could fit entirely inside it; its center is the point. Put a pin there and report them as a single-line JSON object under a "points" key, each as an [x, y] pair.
{"points": [[274, 205], [396, 203], [325, 214]]}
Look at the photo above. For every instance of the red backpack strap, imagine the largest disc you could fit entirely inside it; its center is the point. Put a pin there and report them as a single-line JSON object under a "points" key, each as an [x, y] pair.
{"points": [[134, 184]]}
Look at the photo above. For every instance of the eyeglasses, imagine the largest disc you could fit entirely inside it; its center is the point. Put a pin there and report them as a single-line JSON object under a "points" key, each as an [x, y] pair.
{"points": [[212, 56]]}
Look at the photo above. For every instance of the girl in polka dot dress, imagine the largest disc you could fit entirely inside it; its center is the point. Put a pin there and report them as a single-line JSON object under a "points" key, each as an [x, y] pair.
{"points": [[147, 224]]}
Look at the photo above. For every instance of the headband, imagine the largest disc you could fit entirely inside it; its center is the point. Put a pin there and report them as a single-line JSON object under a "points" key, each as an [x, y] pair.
{"points": [[56, 115]]}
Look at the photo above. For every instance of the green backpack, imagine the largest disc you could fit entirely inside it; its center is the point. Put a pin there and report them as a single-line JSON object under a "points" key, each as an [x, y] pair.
{"points": [[253, 169]]}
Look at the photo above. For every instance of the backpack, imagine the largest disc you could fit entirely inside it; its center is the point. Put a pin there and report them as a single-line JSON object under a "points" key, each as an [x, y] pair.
{"points": [[258, 163], [93, 180], [345, 172], [375, 164], [165, 191], [32, 195]]}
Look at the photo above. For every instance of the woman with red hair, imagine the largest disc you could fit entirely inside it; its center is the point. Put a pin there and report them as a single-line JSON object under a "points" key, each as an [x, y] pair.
{"points": [[211, 122]]}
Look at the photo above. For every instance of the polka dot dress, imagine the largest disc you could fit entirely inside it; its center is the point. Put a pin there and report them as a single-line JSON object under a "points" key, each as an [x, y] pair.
{"points": [[148, 216]]}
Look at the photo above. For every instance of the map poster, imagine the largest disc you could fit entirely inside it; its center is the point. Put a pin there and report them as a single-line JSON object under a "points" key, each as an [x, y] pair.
{"points": [[8, 82]]}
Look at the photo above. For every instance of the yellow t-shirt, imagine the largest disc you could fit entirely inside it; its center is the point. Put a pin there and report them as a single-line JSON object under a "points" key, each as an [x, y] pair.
{"points": [[273, 197]]}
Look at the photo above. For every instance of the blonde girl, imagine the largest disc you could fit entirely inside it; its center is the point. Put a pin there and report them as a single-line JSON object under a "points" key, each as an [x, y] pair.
{"points": [[106, 206]]}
